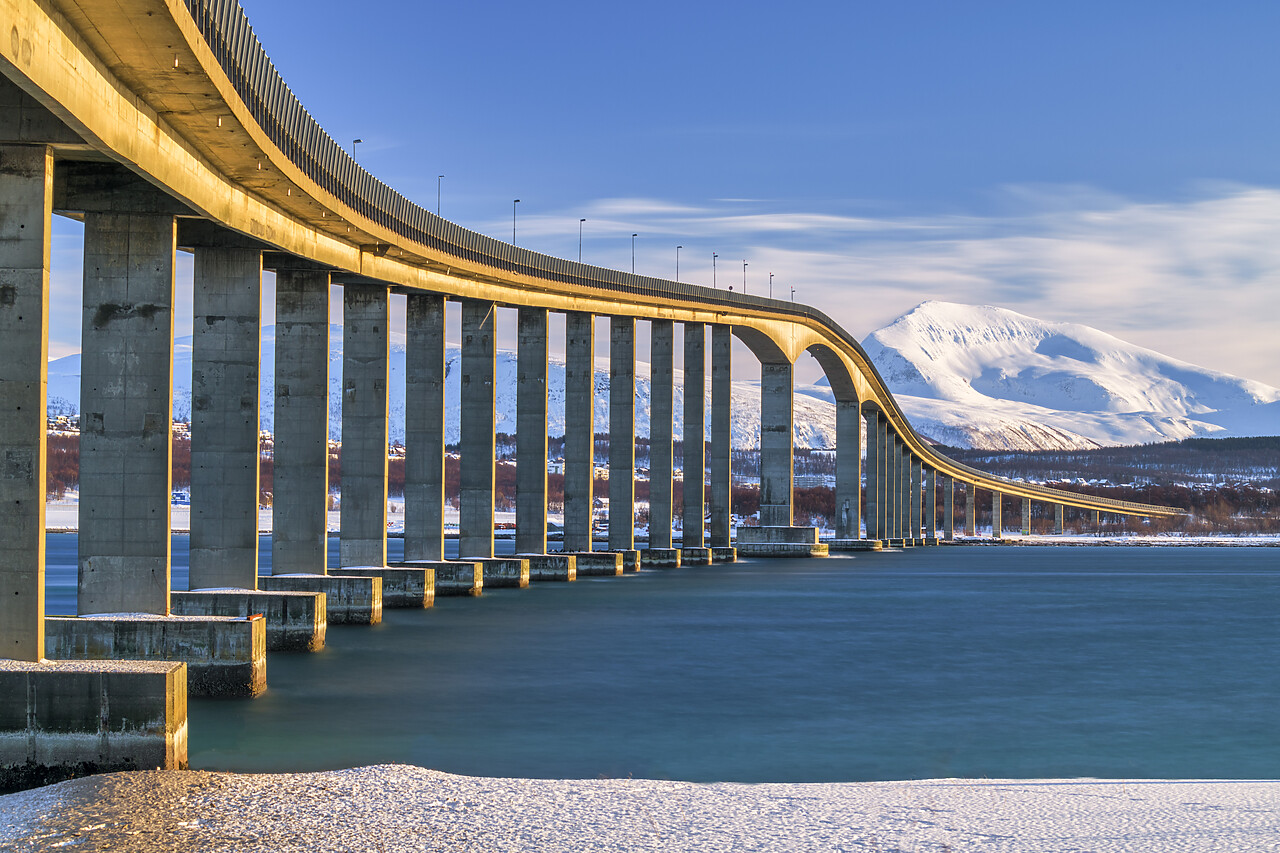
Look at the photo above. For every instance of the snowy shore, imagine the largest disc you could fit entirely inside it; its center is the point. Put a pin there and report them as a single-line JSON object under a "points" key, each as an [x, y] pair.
{"points": [[403, 808]]}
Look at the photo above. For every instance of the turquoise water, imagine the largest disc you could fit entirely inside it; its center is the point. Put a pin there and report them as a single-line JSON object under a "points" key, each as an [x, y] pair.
{"points": [[968, 661]]}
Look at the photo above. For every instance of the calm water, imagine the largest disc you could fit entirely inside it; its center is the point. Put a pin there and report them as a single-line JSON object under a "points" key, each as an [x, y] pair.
{"points": [[1000, 662]]}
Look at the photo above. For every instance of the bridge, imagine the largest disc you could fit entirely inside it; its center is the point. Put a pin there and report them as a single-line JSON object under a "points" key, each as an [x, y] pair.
{"points": [[164, 126]]}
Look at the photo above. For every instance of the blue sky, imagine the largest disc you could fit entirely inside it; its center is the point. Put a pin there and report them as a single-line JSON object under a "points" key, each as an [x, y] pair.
{"points": [[1114, 164]]}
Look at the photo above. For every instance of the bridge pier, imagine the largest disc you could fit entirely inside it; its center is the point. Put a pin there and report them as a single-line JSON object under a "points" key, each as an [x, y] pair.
{"points": [[693, 550], [1026, 516], [997, 516], [622, 433], [366, 344], [531, 435], [873, 502], [949, 508], [424, 427], [970, 510], [579, 431], [661, 428], [478, 443], [721, 451], [848, 491], [1057, 519], [931, 506], [915, 472]]}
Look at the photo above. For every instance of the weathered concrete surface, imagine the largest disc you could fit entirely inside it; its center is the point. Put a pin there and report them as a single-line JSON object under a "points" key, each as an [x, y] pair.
{"points": [[225, 655], [661, 429], [875, 477], [596, 563], [349, 600], [366, 341], [622, 432], [949, 508], [724, 555], [531, 432], [511, 572], [296, 621], [780, 542], [695, 556], [424, 428], [721, 435], [452, 577], [551, 567], [694, 461], [1026, 516], [402, 586], [630, 559], [997, 515], [970, 510], [931, 504], [848, 493], [916, 484], [660, 558], [300, 486], [60, 719], [776, 464], [26, 198], [126, 407], [478, 446], [855, 545], [579, 429], [225, 346]]}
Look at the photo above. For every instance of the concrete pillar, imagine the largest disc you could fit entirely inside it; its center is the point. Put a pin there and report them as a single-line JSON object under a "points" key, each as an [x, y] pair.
{"points": [[997, 516], [224, 417], [424, 428], [1097, 519], [848, 468], [366, 317], [930, 504], [1058, 526], [579, 429], [893, 505], [916, 472], [695, 450], [907, 493], [531, 431], [949, 508], [875, 480], [1026, 516], [970, 509], [126, 413], [776, 464], [26, 204], [622, 432], [479, 445], [300, 493], [661, 427], [721, 431]]}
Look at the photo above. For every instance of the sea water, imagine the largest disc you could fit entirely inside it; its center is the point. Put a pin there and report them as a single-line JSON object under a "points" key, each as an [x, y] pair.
{"points": [[930, 662]]}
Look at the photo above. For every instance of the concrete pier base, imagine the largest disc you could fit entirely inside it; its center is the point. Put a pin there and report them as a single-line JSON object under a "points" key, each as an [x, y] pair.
{"points": [[349, 600], [453, 577], [597, 564], [660, 558], [695, 556], [60, 719], [512, 572], [225, 655], [724, 554], [854, 545], [780, 542], [630, 559], [296, 621], [551, 567], [411, 587]]}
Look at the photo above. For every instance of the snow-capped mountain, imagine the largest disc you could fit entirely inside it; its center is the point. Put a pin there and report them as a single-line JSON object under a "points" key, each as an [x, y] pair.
{"points": [[978, 376]]}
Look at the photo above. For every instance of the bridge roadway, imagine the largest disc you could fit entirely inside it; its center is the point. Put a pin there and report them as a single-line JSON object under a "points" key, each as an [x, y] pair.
{"points": [[162, 124]]}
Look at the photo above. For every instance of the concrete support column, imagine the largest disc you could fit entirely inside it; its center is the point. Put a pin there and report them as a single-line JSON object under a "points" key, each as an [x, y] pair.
{"points": [[721, 429], [300, 492], [776, 442], [875, 479], [479, 445], [905, 492], [26, 204], [930, 504], [997, 516], [424, 428], [1026, 516], [1058, 526], [848, 468], [916, 472], [892, 472], [661, 427], [970, 510], [695, 451], [531, 431], [225, 363], [949, 508], [579, 429], [622, 433], [126, 413], [366, 317]]}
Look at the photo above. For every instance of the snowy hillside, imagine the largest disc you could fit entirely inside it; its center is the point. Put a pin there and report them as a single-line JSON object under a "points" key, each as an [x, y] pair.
{"points": [[978, 376]]}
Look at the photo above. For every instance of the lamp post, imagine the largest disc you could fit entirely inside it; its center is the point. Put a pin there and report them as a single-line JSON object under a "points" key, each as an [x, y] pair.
{"points": [[770, 285], [439, 178], [513, 221], [580, 221], [713, 270], [793, 294], [633, 253], [678, 248], [354, 143], [744, 276]]}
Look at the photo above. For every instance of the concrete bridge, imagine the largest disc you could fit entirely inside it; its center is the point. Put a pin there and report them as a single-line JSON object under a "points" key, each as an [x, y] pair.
{"points": [[163, 126]]}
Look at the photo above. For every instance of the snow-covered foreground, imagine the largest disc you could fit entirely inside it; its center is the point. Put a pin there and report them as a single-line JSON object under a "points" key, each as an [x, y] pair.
{"points": [[402, 808]]}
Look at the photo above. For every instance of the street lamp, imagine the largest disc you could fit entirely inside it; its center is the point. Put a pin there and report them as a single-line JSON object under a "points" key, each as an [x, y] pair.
{"points": [[354, 143], [513, 221], [793, 294], [713, 270], [770, 285], [633, 253], [678, 248], [439, 178], [580, 221], [744, 276]]}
